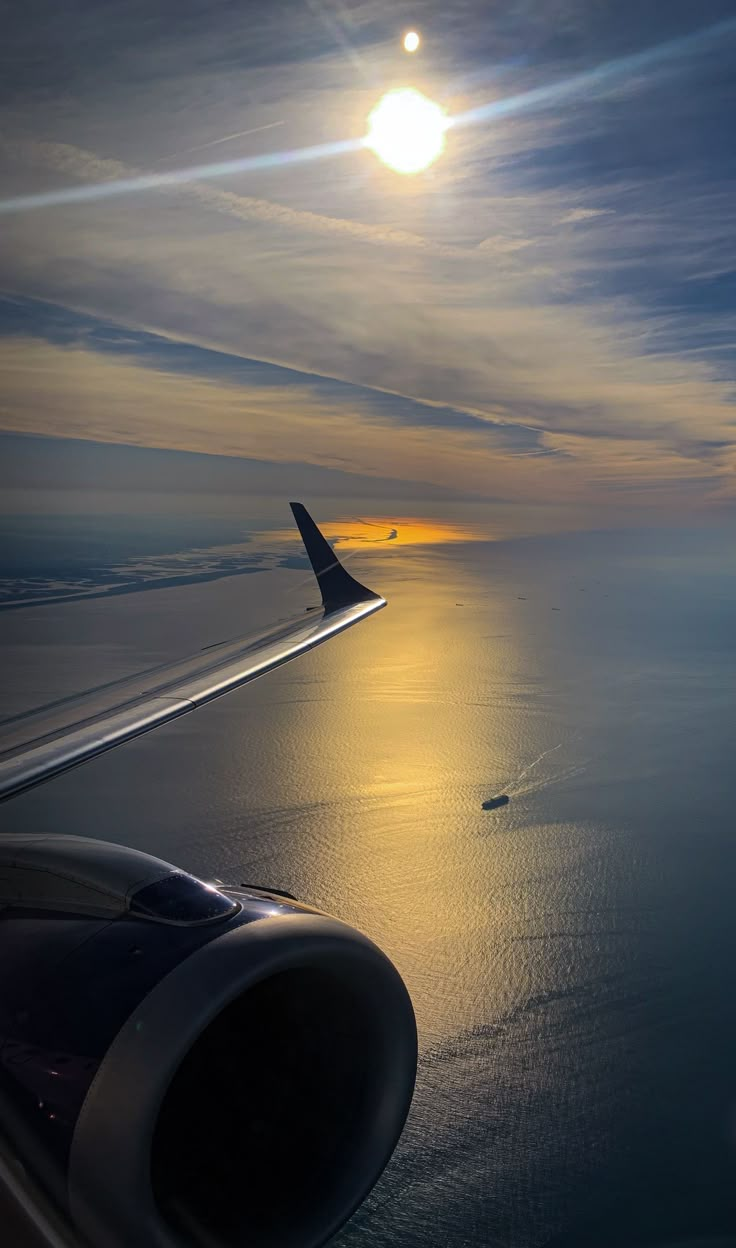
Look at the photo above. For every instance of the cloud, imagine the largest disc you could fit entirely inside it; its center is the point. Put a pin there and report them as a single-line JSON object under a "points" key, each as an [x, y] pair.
{"points": [[574, 215], [479, 342], [32, 319], [87, 394], [47, 389], [100, 176]]}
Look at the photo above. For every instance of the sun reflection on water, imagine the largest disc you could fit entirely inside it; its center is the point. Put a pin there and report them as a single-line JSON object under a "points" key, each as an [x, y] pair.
{"points": [[353, 532]]}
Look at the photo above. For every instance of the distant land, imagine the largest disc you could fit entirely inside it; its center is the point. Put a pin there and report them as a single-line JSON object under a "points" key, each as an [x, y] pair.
{"points": [[55, 561]]}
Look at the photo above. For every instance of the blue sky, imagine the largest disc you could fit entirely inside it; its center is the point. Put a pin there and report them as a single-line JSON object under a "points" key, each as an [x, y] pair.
{"points": [[544, 316]]}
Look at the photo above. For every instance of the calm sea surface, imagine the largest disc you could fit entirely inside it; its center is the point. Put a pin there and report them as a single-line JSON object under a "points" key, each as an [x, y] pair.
{"points": [[571, 956]]}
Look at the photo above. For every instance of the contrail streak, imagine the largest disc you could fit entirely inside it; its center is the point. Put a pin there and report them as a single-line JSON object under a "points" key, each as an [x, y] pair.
{"points": [[586, 82], [241, 134]]}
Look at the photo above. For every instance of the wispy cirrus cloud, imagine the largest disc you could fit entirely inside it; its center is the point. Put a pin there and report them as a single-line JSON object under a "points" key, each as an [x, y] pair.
{"points": [[50, 389], [575, 215], [561, 276]]}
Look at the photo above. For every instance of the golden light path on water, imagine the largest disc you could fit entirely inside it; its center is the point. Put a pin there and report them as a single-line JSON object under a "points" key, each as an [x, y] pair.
{"points": [[354, 777], [405, 716], [358, 532], [559, 952]]}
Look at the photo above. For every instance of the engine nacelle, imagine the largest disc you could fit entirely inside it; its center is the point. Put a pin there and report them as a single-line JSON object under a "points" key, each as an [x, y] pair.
{"points": [[183, 1064]]}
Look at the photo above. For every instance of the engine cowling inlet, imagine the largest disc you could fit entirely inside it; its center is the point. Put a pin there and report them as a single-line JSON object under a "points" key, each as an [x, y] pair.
{"points": [[238, 1076]]}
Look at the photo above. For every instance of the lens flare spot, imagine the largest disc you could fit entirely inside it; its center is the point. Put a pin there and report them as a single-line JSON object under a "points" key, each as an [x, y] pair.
{"points": [[406, 130], [411, 41]]}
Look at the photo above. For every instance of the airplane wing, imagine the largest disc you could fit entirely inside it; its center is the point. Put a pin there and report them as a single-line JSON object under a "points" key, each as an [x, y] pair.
{"points": [[43, 743], [182, 1063]]}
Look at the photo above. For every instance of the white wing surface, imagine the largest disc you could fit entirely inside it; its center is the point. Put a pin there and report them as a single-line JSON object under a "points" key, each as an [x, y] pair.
{"points": [[41, 744]]}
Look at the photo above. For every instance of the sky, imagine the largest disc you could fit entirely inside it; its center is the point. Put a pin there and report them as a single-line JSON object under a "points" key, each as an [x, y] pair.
{"points": [[541, 321]]}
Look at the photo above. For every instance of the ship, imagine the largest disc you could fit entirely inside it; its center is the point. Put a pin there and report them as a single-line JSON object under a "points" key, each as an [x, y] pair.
{"points": [[503, 799]]}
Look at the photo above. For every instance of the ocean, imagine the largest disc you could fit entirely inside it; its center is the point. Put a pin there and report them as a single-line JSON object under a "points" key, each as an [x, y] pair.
{"points": [[570, 955]]}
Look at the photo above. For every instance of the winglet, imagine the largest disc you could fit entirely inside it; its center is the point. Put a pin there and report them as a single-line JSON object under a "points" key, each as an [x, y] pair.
{"points": [[338, 587]]}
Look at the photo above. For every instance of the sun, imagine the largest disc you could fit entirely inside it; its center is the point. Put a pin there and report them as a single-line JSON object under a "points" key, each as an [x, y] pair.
{"points": [[406, 130], [411, 41]]}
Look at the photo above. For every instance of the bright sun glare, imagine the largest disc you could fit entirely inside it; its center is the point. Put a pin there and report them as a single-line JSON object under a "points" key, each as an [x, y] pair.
{"points": [[411, 41], [406, 130]]}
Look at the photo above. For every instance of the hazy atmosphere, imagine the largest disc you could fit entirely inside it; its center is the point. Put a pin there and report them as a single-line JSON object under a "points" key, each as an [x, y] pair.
{"points": [[550, 303], [500, 373]]}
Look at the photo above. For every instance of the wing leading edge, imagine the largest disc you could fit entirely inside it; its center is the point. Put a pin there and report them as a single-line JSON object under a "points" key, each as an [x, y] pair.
{"points": [[42, 744]]}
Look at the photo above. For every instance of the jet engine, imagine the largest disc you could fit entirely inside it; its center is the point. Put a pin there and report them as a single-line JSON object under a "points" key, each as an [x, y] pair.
{"points": [[183, 1064]]}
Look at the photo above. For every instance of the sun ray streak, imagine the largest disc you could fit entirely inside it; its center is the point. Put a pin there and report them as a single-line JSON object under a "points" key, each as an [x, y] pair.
{"points": [[592, 80], [175, 177], [589, 81]]}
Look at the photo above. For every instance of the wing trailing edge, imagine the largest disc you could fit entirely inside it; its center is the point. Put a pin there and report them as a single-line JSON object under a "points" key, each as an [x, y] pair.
{"points": [[41, 744]]}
